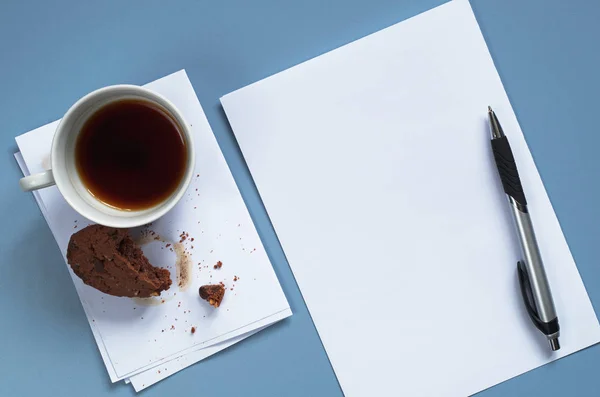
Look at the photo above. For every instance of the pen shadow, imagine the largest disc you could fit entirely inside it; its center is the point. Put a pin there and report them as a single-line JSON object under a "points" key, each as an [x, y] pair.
{"points": [[535, 335]]}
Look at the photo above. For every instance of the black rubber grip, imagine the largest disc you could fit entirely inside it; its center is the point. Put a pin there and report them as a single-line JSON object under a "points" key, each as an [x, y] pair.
{"points": [[507, 168]]}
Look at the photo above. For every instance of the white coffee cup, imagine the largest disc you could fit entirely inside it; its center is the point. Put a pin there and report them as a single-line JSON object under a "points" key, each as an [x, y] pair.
{"points": [[64, 172]]}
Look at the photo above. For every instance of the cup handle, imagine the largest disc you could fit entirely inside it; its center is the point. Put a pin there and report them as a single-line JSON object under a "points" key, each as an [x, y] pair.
{"points": [[37, 181]]}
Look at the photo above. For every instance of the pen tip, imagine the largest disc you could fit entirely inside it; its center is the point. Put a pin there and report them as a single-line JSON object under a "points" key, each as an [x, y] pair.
{"points": [[495, 127]]}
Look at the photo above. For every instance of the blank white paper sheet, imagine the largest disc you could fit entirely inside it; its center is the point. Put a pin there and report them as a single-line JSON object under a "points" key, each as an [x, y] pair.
{"points": [[374, 164]]}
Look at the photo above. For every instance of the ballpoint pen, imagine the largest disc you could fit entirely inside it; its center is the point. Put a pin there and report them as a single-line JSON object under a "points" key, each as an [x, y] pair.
{"points": [[532, 276]]}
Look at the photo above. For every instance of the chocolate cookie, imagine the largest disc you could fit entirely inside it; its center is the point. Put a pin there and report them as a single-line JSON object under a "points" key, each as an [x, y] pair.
{"points": [[108, 259]]}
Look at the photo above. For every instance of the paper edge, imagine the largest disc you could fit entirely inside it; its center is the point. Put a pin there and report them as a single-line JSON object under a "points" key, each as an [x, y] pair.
{"points": [[282, 316]]}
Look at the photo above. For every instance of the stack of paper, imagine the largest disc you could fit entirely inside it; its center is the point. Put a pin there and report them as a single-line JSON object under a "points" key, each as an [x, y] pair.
{"points": [[374, 164], [144, 341]]}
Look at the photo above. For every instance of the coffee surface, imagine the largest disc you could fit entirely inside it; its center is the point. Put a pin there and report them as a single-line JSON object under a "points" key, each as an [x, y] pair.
{"points": [[131, 154]]}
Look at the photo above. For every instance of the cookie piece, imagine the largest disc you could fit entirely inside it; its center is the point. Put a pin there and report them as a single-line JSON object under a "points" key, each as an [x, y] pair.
{"points": [[213, 294], [107, 259]]}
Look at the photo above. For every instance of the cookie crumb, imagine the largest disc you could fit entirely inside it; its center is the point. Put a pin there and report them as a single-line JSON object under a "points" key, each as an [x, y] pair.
{"points": [[218, 265], [213, 294], [193, 330]]}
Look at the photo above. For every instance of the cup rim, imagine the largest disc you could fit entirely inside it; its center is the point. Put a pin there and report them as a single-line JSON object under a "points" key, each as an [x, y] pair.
{"points": [[154, 212]]}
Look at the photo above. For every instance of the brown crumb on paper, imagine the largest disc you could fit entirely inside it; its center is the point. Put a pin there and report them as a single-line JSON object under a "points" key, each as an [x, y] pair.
{"points": [[193, 330], [218, 265], [213, 294]]}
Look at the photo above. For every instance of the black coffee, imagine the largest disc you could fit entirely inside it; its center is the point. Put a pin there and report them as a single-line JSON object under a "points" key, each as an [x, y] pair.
{"points": [[131, 154]]}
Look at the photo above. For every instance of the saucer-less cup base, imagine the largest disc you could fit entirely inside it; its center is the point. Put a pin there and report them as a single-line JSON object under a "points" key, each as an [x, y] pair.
{"points": [[64, 173]]}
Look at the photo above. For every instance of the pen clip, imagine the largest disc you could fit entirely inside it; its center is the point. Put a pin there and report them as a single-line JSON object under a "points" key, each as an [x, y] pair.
{"points": [[525, 285]]}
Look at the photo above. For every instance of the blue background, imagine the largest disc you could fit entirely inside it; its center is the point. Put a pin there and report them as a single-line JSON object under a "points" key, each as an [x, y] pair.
{"points": [[53, 52]]}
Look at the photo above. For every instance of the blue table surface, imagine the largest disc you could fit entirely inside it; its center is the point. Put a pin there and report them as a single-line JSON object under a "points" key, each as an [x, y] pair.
{"points": [[53, 52]]}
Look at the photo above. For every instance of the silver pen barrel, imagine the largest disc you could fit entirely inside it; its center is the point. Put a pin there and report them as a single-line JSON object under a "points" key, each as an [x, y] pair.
{"points": [[534, 266], [532, 275]]}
